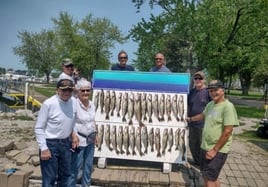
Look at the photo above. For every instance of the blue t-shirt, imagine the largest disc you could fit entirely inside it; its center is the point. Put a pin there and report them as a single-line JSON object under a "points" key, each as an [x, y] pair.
{"points": [[197, 101], [117, 67]]}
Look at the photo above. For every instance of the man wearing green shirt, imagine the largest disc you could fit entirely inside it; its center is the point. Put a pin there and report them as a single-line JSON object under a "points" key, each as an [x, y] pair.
{"points": [[220, 117]]}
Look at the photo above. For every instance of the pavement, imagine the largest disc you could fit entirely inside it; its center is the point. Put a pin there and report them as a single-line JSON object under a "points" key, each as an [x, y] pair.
{"points": [[246, 165]]}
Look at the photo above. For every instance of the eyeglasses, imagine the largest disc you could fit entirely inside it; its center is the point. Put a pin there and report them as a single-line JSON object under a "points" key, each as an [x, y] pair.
{"points": [[123, 57], [158, 58], [67, 90], [198, 78], [86, 90]]}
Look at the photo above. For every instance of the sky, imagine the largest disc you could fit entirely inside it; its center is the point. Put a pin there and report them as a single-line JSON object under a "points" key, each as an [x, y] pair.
{"points": [[35, 15]]}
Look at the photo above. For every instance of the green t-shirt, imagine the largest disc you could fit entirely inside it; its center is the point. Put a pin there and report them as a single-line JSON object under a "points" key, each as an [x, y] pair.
{"points": [[218, 116]]}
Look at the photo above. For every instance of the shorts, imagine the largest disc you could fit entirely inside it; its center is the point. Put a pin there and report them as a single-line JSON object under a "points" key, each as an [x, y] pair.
{"points": [[211, 169]]}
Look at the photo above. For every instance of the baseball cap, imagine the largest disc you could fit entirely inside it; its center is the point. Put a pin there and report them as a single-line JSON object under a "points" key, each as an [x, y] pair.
{"points": [[67, 61], [215, 84], [65, 83], [200, 73]]}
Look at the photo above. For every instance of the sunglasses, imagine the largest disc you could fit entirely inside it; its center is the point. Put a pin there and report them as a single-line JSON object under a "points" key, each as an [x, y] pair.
{"points": [[198, 78], [67, 90], [122, 57], [85, 90], [69, 66], [158, 58]]}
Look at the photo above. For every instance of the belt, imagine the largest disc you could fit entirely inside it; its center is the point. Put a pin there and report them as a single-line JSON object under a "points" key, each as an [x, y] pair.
{"points": [[65, 140]]}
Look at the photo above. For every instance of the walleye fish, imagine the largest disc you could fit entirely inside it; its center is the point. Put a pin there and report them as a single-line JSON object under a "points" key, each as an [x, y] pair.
{"points": [[164, 141], [170, 139], [107, 104], [124, 106], [113, 102], [107, 137], [100, 137], [177, 139], [138, 140], [113, 139], [155, 106], [126, 139], [102, 100], [144, 138], [181, 107], [118, 104], [130, 109], [150, 108], [137, 108], [161, 108], [120, 139], [132, 139], [174, 106], [96, 100], [144, 106], [151, 139], [168, 107], [157, 142], [182, 144]]}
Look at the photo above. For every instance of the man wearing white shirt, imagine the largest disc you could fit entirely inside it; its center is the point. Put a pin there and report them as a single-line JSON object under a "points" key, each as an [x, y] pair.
{"points": [[67, 69], [54, 134]]}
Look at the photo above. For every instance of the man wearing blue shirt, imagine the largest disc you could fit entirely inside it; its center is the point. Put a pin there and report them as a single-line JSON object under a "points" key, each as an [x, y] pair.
{"points": [[122, 65]]}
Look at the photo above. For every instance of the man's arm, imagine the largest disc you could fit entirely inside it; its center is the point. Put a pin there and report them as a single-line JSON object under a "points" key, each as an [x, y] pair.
{"points": [[227, 132], [197, 117]]}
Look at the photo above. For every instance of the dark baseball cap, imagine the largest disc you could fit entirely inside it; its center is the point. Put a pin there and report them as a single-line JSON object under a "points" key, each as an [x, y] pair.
{"points": [[65, 83], [67, 62], [215, 84]]}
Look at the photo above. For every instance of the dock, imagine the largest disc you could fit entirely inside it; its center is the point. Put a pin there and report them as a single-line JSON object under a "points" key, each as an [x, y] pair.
{"points": [[13, 94]]}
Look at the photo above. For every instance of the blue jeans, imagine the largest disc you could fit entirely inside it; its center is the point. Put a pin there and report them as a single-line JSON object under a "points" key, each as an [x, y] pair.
{"points": [[58, 167], [84, 161]]}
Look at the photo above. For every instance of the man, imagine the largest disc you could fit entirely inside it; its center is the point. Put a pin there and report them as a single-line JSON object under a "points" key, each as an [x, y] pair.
{"points": [[67, 69], [220, 117], [198, 98], [53, 129], [159, 64], [122, 65]]}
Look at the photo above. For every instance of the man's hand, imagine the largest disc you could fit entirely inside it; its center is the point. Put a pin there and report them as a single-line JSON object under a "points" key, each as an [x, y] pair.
{"points": [[75, 140], [211, 154], [45, 154]]}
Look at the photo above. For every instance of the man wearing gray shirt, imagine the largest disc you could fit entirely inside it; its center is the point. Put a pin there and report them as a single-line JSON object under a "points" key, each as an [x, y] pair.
{"points": [[159, 64]]}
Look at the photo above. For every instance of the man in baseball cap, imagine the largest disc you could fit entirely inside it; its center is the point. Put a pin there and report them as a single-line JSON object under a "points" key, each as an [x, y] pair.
{"points": [[67, 69], [55, 134], [220, 117]]}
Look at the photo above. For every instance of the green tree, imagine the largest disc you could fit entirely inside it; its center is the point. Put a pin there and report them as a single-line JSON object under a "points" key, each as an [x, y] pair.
{"points": [[38, 51], [227, 38], [87, 42]]}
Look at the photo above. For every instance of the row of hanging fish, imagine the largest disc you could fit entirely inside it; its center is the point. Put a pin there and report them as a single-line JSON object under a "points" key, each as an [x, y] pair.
{"points": [[138, 141], [142, 106]]}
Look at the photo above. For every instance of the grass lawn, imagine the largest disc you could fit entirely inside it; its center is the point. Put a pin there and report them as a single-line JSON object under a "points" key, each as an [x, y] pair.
{"points": [[252, 95], [47, 89], [249, 112]]}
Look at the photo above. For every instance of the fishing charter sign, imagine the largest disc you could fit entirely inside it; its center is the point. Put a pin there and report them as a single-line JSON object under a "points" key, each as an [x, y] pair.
{"points": [[141, 116]]}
